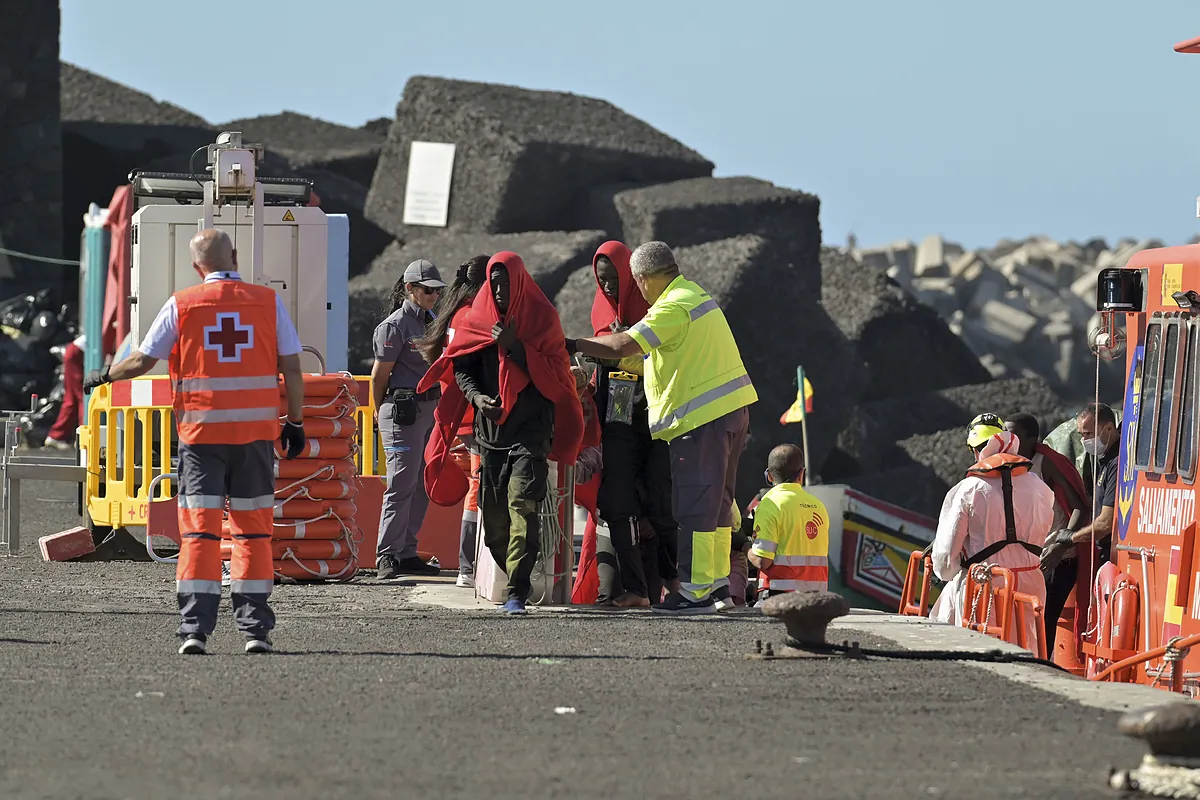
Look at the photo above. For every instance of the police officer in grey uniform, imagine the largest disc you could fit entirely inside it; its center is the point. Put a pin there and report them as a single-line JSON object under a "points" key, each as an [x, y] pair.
{"points": [[404, 418]]}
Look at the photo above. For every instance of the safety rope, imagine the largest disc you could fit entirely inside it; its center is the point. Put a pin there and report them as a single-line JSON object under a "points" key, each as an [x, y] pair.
{"points": [[986, 657], [981, 574], [315, 476], [66, 262], [1161, 776], [551, 536]]}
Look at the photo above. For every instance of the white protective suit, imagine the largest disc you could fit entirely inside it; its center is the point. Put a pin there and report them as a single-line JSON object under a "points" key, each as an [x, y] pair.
{"points": [[972, 518]]}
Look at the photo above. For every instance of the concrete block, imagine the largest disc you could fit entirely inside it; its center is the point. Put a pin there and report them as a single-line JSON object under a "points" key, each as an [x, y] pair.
{"points": [[31, 170], [309, 142], [523, 157], [550, 258], [692, 212], [931, 258], [937, 293], [574, 302], [777, 327], [1010, 323], [888, 327], [66, 545]]}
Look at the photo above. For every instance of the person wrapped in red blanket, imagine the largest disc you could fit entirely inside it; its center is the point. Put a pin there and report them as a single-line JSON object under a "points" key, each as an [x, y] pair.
{"points": [[636, 481], [509, 361]]}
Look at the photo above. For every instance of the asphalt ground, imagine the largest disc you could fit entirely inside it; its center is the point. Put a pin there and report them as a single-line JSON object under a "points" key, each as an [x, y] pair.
{"points": [[371, 695]]}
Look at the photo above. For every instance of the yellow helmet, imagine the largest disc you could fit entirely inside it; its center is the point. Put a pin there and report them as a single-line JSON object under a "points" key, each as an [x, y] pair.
{"points": [[982, 428]]}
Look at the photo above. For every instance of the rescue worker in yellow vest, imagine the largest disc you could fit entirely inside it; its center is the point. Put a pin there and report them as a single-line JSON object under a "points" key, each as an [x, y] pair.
{"points": [[1000, 514], [791, 530], [227, 341], [698, 391]]}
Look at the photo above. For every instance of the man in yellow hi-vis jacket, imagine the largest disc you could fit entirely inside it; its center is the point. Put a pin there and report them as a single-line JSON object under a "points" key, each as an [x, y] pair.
{"points": [[698, 392]]}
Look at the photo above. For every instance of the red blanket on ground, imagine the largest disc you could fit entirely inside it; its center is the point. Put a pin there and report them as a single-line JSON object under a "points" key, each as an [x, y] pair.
{"points": [[630, 306], [540, 331]]}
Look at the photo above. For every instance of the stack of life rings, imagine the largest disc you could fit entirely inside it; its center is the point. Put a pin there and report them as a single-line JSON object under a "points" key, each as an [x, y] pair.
{"points": [[315, 536]]}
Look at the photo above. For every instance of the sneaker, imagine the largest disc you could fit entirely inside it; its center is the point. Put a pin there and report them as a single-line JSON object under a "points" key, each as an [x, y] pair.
{"points": [[678, 606], [57, 444], [258, 646], [515, 607], [226, 575], [387, 567], [193, 646], [465, 581], [415, 566]]}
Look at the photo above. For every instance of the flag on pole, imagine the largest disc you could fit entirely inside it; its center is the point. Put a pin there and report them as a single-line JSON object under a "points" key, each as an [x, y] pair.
{"points": [[804, 400]]}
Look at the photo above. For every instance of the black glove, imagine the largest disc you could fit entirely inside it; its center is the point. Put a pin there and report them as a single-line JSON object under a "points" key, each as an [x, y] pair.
{"points": [[292, 438], [572, 347], [95, 378]]}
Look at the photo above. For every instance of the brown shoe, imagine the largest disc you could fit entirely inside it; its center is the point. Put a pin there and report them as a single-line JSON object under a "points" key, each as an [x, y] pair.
{"points": [[629, 600]]}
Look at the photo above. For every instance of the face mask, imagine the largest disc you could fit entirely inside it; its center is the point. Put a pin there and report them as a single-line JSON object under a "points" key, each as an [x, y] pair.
{"points": [[1094, 446]]}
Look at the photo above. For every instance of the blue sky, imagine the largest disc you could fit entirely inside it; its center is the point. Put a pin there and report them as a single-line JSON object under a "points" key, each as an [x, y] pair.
{"points": [[1071, 118]]}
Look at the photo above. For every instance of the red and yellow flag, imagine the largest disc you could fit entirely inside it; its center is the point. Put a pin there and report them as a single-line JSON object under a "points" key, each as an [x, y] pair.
{"points": [[803, 405]]}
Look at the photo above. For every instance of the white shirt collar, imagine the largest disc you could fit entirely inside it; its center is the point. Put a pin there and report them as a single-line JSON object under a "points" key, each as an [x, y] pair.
{"points": [[222, 276]]}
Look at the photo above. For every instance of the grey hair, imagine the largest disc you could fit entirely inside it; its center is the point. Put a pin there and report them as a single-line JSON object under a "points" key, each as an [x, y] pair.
{"points": [[652, 258]]}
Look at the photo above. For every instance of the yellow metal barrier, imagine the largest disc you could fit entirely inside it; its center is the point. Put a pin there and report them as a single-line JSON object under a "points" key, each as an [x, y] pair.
{"points": [[126, 446]]}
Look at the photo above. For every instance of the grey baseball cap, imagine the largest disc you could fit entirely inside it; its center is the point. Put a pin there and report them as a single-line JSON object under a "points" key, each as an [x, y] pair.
{"points": [[423, 272]]}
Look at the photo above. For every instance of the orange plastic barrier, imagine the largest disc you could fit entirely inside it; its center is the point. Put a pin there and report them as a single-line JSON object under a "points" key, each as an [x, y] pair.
{"points": [[993, 606], [922, 567]]}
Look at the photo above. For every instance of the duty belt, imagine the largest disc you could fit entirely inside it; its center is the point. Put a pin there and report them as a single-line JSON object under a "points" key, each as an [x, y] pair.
{"points": [[394, 395]]}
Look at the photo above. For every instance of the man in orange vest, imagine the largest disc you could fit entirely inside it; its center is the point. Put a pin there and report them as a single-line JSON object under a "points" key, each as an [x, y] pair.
{"points": [[227, 341]]}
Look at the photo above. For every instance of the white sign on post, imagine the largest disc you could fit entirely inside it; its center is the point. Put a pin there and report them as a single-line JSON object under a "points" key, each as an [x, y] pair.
{"points": [[427, 192]]}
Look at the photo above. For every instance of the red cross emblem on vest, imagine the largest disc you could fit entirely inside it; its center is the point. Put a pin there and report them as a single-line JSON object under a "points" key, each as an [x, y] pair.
{"points": [[228, 337]]}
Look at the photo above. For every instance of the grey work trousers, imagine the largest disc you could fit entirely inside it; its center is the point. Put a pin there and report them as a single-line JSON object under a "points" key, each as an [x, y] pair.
{"points": [[704, 465], [404, 500], [208, 474]]}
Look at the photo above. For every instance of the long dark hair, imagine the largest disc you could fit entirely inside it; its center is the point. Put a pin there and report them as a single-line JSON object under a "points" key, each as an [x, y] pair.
{"points": [[467, 282]]}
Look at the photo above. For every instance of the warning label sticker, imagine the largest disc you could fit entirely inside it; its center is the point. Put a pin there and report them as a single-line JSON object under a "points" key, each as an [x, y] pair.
{"points": [[287, 216]]}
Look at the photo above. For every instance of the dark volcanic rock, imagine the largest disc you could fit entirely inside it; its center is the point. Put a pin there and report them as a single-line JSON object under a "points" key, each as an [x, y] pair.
{"points": [[378, 126], [338, 195], [550, 258], [915, 487], [308, 142], [777, 327], [910, 450], [88, 97], [31, 168], [109, 130], [893, 331], [523, 157], [690, 212], [574, 302]]}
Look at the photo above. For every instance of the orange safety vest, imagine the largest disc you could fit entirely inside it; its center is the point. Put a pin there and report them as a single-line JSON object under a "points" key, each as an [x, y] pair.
{"points": [[224, 366], [1004, 466]]}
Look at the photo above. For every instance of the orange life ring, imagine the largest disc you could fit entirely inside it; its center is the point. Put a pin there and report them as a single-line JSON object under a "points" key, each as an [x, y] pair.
{"points": [[317, 489], [320, 528], [316, 569], [322, 448], [327, 386], [303, 549], [333, 469], [328, 428], [323, 407], [308, 509]]}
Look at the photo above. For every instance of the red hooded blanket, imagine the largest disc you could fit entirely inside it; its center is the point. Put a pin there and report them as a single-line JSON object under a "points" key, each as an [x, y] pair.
{"points": [[630, 306], [540, 330]]}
